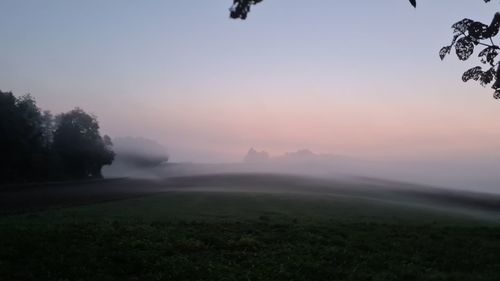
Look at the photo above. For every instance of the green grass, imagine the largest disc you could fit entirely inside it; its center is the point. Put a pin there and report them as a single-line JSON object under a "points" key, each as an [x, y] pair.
{"points": [[249, 236], [238, 206]]}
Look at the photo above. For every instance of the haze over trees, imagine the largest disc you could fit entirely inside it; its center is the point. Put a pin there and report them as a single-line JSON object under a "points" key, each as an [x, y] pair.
{"points": [[35, 146], [254, 156], [137, 157], [139, 152], [468, 35]]}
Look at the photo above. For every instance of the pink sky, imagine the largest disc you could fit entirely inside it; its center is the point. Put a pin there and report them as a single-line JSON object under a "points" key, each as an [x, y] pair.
{"points": [[334, 77]]}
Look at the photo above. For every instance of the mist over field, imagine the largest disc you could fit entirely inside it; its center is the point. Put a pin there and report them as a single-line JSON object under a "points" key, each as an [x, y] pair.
{"points": [[459, 174], [208, 88], [249, 140]]}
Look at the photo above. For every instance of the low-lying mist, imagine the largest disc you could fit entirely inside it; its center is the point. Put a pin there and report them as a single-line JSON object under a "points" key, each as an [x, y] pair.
{"points": [[137, 158], [462, 175]]}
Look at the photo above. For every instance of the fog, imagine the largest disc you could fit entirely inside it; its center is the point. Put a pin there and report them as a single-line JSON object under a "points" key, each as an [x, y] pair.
{"points": [[471, 175], [136, 157], [209, 88]]}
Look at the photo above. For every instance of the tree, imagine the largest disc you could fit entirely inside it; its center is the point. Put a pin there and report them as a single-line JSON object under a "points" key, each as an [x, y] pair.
{"points": [[467, 36], [32, 148], [22, 144], [80, 146], [9, 132]]}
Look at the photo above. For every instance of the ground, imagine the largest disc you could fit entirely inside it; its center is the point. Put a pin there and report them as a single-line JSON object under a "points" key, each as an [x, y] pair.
{"points": [[247, 227]]}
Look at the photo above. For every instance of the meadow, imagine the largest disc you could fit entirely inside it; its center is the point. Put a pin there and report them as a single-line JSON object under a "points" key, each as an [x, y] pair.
{"points": [[257, 227]]}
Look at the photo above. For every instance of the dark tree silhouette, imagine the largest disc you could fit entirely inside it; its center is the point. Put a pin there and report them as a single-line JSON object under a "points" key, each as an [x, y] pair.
{"points": [[22, 144], [467, 36], [79, 144], [34, 147]]}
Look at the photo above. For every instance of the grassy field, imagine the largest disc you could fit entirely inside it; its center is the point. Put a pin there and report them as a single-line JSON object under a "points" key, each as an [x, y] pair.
{"points": [[233, 234]]}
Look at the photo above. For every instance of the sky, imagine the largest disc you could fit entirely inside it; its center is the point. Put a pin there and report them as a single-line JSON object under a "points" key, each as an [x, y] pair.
{"points": [[360, 78]]}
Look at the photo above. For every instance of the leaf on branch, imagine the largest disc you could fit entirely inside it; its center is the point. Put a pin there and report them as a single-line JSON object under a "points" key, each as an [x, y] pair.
{"points": [[477, 74], [454, 40], [444, 51], [487, 77], [241, 8], [464, 47], [473, 73], [462, 26], [494, 27], [477, 30], [489, 54], [496, 85]]}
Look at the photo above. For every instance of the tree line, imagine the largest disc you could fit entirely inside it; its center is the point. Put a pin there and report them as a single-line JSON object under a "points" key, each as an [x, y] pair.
{"points": [[35, 145]]}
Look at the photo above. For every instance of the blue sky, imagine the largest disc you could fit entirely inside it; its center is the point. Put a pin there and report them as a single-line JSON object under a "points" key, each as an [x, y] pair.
{"points": [[352, 77]]}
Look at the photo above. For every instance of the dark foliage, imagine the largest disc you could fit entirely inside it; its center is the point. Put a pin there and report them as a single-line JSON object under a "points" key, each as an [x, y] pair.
{"points": [[241, 8], [82, 149], [22, 145], [34, 148], [468, 35]]}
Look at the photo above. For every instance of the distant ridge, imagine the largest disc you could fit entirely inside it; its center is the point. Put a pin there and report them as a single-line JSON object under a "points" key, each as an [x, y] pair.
{"points": [[299, 156]]}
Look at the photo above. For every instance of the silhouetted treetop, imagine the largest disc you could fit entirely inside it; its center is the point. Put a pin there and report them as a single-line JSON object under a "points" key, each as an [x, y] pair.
{"points": [[35, 146], [21, 138], [80, 145]]}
